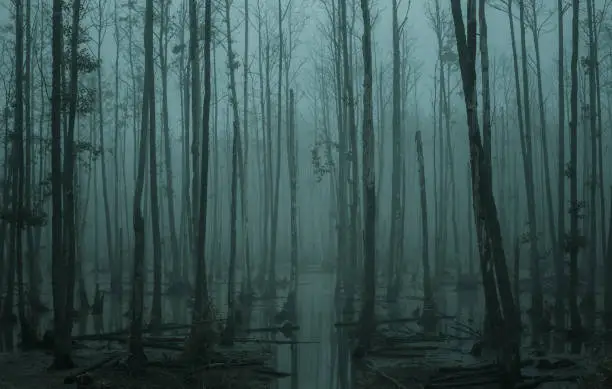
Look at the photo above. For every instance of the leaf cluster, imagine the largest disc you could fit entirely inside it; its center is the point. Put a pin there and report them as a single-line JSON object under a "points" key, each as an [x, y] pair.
{"points": [[23, 217]]}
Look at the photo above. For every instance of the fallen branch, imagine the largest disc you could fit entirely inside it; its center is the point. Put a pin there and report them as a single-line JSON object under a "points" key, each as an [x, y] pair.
{"points": [[387, 377], [267, 341], [378, 322], [106, 335], [74, 377], [272, 373], [224, 366]]}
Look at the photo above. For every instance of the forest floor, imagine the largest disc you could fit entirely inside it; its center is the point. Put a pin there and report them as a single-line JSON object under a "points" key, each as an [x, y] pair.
{"points": [[105, 366], [417, 361], [403, 356]]}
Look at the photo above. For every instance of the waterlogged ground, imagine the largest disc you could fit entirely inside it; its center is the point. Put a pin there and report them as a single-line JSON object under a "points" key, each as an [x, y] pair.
{"points": [[320, 356]]}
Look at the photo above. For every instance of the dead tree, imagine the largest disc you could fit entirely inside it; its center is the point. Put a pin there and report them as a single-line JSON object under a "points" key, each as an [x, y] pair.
{"points": [[427, 289], [492, 257]]}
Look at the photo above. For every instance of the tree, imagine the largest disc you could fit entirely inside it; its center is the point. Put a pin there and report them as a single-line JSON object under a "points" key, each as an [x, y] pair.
{"points": [[369, 187], [61, 355], [148, 116], [561, 280], [201, 311], [573, 242], [236, 151], [492, 256]]}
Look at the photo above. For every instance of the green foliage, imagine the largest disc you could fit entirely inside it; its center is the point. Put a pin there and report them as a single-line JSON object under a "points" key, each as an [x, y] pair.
{"points": [[177, 49], [86, 153], [321, 165], [86, 62], [23, 218], [577, 208]]}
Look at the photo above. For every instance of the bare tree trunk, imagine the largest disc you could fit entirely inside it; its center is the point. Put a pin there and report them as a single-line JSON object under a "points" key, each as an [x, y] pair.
{"points": [[608, 272], [116, 286], [574, 246], [201, 311], [427, 289], [558, 260], [292, 164], [163, 58], [396, 168], [194, 58], [33, 244], [228, 336], [369, 187], [17, 181], [156, 304], [186, 225], [245, 159], [487, 223], [589, 298], [274, 230], [137, 304], [560, 250], [537, 301], [118, 255], [342, 278]]}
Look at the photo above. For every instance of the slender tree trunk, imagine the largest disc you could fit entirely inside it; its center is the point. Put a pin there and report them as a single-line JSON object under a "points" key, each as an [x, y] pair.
{"points": [[236, 151], [62, 349], [156, 304], [245, 159], [427, 289], [608, 272], [537, 301], [201, 311], [17, 181], [574, 246], [487, 223], [369, 187], [135, 340], [292, 165], [396, 169], [558, 260], [194, 57], [589, 298], [116, 286], [163, 58], [274, 230], [559, 269]]}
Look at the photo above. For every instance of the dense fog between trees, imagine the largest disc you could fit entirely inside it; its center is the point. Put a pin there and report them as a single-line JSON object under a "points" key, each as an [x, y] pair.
{"points": [[184, 162]]}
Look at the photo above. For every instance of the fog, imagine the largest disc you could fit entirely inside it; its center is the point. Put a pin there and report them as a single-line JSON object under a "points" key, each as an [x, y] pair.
{"points": [[473, 206]]}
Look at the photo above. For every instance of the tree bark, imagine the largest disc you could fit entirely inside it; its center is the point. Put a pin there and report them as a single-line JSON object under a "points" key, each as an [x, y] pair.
{"points": [[369, 187]]}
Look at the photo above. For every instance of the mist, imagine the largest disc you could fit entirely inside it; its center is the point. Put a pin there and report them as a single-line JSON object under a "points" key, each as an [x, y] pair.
{"points": [[305, 194]]}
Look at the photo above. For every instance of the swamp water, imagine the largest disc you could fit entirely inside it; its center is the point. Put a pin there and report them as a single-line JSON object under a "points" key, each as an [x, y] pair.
{"points": [[320, 356]]}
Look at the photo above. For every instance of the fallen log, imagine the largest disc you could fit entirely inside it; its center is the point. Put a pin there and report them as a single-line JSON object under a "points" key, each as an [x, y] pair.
{"points": [[74, 377], [272, 373], [268, 341], [103, 336], [392, 321]]}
